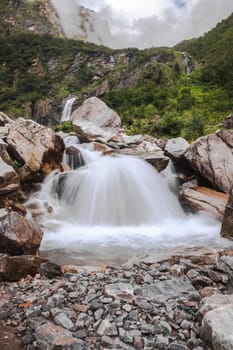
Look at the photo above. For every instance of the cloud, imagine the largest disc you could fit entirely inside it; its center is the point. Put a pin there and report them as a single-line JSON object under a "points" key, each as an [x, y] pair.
{"points": [[156, 22]]}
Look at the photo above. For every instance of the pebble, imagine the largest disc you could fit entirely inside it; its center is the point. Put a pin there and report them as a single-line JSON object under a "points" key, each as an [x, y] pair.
{"points": [[149, 306]]}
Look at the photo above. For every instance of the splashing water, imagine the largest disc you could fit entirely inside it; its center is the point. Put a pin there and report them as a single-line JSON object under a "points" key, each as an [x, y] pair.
{"points": [[113, 207]]}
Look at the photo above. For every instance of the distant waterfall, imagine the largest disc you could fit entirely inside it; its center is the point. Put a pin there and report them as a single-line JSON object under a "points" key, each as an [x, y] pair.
{"points": [[187, 65], [67, 110]]}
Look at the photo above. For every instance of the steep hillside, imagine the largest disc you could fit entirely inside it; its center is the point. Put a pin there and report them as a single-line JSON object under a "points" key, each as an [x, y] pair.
{"points": [[36, 16], [214, 51], [153, 90]]}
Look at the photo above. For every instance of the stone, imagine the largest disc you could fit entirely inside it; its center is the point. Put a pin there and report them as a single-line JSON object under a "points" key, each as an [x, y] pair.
{"points": [[50, 270], [9, 340], [150, 152], [36, 149], [161, 342], [19, 235], [52, 337], [213, 302], [205, 199], [228, 260], [176, 147], [63, 320], [94, 120], [227, 222], [13, 268], [119, 290], [169, 289], [9, 179], [217, 328], [211, 156]]}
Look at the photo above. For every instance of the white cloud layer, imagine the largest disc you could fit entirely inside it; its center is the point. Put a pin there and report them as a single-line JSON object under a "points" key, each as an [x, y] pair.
{"points": [[145, 23]]}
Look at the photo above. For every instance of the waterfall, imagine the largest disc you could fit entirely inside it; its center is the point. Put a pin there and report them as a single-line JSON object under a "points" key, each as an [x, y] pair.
{"points": [[113, 206], [67, 110], [187, 65]]}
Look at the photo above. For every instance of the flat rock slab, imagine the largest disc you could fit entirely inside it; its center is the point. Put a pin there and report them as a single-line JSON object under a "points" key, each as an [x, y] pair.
{"points": [[214, 302], [217, 328], [9, 340], [170, 289], [119, 290]]}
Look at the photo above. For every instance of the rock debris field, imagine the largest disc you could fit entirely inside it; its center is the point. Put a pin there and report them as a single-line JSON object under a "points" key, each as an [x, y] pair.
{"points": [[183, 302]]}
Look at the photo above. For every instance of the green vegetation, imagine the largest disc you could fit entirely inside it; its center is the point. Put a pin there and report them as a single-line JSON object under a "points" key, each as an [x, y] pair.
{"points": [[149, 88]]}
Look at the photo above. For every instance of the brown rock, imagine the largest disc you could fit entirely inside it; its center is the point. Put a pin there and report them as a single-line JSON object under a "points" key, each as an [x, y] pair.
{"points": [[18, 235], [205, 199], [9, 340], [13, 268], [36, 149], [212, 157], [227, 222], [9, 179]]}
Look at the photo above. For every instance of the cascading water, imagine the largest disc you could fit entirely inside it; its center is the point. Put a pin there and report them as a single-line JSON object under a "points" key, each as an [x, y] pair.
{"points": [[113, 207], [66, 113]]}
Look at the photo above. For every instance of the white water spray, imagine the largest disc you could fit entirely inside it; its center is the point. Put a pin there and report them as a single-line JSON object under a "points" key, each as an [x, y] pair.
{"points": [[67, 110], [113, 207]]}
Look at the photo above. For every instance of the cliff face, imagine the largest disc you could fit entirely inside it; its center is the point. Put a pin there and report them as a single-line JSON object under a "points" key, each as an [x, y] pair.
{"points": [[35, 16]]}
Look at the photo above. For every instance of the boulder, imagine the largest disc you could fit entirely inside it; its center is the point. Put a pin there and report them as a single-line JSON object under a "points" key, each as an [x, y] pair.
{"points": [[212, 157], [205, 199], [213, 302], [94, 120], [9, 179], [217, 328], [150, 152], [35, 149], [13, 268], [19, 235], [176, 147], [227, 222]]}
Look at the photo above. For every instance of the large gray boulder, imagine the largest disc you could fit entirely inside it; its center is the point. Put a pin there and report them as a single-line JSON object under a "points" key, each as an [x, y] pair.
{"points": [[176, 147], [212, 157], [35, 149], [94, 120], [217, 328], [18, 235]]}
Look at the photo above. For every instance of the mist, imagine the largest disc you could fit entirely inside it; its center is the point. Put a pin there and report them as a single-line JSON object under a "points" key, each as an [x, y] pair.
{"points": [[158, 23]]}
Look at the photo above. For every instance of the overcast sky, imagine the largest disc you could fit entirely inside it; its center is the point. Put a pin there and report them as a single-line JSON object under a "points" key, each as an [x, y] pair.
{"points": [[146, 23]]}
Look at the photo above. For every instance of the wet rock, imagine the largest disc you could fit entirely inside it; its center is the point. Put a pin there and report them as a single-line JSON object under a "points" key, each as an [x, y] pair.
{"points": [[205, 199], [95, 121], [217, 328], [18, 235]]}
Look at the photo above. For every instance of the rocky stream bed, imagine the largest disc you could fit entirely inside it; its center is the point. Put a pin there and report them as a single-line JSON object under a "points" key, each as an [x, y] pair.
{"points": [[183, 302]]}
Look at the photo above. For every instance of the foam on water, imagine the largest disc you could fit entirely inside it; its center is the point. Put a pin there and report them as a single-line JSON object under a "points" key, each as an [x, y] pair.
{"points": [[114, 206]]}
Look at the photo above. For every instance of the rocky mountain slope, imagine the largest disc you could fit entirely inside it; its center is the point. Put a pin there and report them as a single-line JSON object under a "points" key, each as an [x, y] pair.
{"points": [[160, 91]]}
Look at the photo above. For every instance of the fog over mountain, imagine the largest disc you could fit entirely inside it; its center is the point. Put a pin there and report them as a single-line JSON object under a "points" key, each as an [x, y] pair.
{"points": [[143, 23]]}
